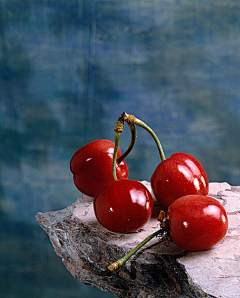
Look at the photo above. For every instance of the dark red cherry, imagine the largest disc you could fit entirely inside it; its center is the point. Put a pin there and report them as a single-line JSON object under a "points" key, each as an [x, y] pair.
{"points": [[197, 222], [91, 166], [177, 176], [123, 206]]}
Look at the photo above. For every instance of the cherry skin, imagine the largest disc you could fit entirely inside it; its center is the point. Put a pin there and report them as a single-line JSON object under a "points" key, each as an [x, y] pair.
{"points": [[177, 176], [197, 222], [123, 206], [91, 166]]}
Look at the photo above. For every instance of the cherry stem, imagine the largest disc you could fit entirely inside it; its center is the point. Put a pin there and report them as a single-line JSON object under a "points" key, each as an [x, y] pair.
{"points": [[133, 140], [118, 130], [117, 140], [130, 119], [114, 266]]}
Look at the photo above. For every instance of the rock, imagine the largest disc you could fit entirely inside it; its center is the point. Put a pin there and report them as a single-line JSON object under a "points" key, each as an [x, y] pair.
{"points": [[160, 268]]}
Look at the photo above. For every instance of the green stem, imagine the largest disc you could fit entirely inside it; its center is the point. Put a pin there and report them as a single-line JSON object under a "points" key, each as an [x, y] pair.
{"points": [[133, 140], [118, 130], [114, 266], [131, 120], [117, 140], [146, 127]]}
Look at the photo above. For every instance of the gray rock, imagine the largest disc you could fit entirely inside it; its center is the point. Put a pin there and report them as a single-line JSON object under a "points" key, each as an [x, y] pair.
{"points": [[160, 268]]}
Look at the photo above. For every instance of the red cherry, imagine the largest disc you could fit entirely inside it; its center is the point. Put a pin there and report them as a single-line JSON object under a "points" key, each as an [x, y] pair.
{"points": [[197, 222], [177, 176], [123, 206], [91, 166]]}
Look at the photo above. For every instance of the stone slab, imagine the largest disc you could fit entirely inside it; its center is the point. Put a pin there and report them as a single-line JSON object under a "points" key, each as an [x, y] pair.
{"points": [[159, 269]]}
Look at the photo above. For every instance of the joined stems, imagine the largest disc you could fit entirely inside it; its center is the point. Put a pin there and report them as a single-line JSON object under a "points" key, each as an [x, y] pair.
{"points": [[131, 120]]}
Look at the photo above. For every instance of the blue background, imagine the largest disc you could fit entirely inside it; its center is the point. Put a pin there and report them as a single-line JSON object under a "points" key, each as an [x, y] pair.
{"points": [[68, 69]]}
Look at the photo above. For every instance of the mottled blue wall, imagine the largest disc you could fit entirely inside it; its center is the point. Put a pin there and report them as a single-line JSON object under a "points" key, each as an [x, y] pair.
{"points": [[68, 69]]}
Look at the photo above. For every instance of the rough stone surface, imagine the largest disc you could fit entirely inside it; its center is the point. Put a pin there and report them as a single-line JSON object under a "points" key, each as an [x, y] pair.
{"points": [[159, 269]]}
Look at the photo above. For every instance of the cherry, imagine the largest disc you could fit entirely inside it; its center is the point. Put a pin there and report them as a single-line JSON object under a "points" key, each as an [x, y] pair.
{"points": [[91, 166], [197, 222], [123, 206], [177, 176]]}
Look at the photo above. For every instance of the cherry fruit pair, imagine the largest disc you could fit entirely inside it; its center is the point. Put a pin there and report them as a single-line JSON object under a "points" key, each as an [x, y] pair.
{"points": [[120, 205], [194, 222]]}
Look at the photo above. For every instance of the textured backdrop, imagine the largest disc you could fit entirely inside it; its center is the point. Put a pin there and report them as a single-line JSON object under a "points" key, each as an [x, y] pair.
{"points": [[68, 69]]}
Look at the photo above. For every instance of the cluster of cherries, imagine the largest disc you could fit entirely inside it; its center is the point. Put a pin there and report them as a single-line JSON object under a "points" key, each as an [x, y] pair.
{"points": [[194, 220]]}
